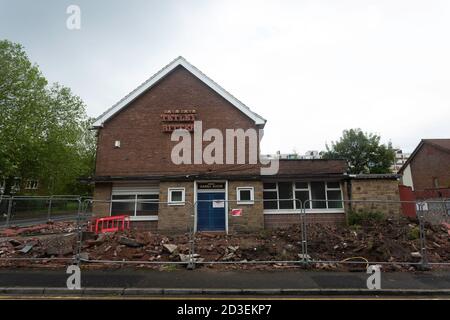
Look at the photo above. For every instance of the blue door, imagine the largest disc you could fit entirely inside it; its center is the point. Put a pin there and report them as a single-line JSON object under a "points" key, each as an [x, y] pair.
{"points": [[210, 216]]}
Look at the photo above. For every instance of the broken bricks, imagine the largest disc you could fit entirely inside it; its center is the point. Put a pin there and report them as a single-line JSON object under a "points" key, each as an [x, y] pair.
{"points": [[60, 245]]}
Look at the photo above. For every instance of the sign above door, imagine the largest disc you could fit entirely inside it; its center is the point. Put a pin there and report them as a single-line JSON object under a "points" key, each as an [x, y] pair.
{"points": [[211, 185]]}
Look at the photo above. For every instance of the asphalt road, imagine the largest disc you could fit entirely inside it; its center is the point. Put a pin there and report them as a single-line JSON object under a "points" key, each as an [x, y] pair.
{"points": [[210, 279]]}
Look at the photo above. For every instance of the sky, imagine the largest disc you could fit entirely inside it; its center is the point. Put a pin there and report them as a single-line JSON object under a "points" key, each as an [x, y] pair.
{"points": [[311, 68]]}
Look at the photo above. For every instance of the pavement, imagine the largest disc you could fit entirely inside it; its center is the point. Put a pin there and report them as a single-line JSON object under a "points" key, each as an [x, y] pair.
{"points": [[204, 281]]}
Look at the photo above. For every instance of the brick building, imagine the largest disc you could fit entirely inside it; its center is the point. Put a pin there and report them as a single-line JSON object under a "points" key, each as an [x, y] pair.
{"points": [[136, 175], [427, 170]]}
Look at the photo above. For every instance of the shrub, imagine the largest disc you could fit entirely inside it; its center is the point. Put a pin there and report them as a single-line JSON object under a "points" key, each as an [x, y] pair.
{"points": [[359, 218], [414, 233]]}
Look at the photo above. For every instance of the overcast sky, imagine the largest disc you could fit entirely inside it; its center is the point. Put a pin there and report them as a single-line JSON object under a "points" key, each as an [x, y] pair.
{"points": [[311, 68]]}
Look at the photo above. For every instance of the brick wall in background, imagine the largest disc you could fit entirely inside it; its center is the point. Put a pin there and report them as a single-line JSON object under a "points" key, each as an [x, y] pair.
{"points": [[430, 163], [383, 190]]}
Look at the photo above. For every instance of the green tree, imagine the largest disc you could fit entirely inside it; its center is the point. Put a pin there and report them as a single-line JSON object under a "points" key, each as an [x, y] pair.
{"points": [[44, 131], [363, 152]]}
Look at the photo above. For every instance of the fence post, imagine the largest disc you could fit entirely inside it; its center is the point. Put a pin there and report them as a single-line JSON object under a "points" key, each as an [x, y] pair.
{"points": [[422, 232], [49, 212], [303, 229], [79, 235], [8, 215], [191, 264]]}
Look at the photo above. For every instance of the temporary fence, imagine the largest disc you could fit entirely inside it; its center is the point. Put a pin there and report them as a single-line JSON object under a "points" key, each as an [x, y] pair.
{"points": [[375, 233], [25, 210]]}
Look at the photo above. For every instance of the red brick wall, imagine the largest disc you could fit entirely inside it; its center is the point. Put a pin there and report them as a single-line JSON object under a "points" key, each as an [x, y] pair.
{"points": [[428, 163], [145, 149], [274, 221]]}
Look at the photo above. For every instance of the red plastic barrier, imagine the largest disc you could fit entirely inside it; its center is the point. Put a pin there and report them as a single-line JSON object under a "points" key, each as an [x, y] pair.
{"points": [[111, 224]]}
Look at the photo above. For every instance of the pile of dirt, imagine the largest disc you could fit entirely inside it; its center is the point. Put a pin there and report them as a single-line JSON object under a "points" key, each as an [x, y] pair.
{"points": [[394, 241]]}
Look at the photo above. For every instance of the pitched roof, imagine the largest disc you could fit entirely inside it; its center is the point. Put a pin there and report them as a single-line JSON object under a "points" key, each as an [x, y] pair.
{"points": [[441, 144], [180, 61]]}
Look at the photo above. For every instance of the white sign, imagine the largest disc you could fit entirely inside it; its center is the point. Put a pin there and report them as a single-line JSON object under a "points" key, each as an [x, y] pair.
{"points": [[422, 206], [218, 204]]}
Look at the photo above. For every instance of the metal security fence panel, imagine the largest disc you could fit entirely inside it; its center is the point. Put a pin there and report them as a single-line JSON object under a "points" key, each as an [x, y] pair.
{"points": [[63, 207], [4, 202], [239, 237], [434, 216], [27, 210], [375, 233], [22, 211], [435, 211], [133, 231], [209, 232]]}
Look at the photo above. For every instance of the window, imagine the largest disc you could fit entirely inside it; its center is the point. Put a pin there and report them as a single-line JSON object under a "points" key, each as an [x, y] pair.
{"points": [[135, 204], [123, 205], [147, 205], [176, 196], [302, 195], [311, 195], [32, 184], [318, 195], [334, 194], [245, 195], [270, 196], [285, 195]]}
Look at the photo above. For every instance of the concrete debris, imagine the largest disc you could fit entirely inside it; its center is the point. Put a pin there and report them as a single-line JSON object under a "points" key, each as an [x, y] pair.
{"points": [[60, 245], [187, 258], [170, 247], [27, 248]]}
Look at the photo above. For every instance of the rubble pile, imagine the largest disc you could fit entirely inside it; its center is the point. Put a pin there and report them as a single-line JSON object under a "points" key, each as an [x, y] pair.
{"points": [[39, 229], [394, 241]]}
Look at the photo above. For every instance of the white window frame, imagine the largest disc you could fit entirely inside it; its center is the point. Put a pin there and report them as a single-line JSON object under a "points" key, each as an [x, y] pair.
{"points": [[308, 188], [134, 217], [333, 189], [252, 195], [176, 203], [273, 190], [311, 210]]}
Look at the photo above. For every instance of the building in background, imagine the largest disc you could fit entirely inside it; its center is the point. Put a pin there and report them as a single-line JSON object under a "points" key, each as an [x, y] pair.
{"points": [[427, 170], [314, 154], [400, 159]]}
